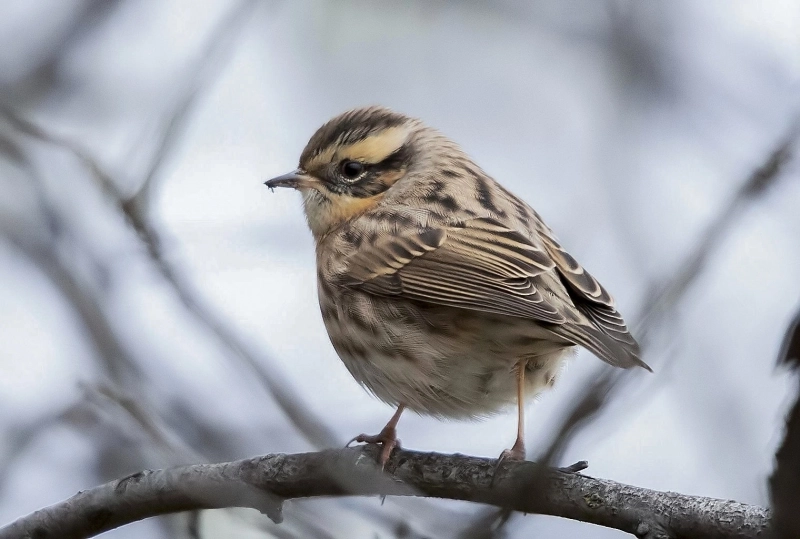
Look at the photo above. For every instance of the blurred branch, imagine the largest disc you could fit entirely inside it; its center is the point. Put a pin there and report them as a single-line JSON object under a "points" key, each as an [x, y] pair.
{"points": [[662, 300], [127, 414], [43, 74], [665, 296], [42, 250], [31, 129], [132, 418], [118, 361], [199, 78], [790, 348], [134, 210], [263, 482], [19, 439], [785, 480], [669, 294]]}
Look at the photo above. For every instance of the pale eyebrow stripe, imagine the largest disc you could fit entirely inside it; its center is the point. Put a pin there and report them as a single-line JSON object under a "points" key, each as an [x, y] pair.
{"points": [[377, 147]]}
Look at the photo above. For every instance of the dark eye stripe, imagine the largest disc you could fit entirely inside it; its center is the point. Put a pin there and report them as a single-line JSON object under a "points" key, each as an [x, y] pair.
{"points": [[374, 179], [396, 160]]}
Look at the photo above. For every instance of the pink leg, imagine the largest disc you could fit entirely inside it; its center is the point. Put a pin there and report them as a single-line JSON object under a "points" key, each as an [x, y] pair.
{"points": [[517, 451]]}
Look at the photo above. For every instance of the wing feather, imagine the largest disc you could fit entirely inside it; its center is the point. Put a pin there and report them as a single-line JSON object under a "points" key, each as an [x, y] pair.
{"points": [[481, 265], [485, 266], [595, 303]]}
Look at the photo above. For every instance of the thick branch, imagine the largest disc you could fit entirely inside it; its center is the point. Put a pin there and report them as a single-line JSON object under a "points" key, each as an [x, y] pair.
{"points": [[262, 482]]}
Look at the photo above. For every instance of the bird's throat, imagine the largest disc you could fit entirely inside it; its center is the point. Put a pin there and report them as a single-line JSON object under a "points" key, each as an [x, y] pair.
{"points": [[327, 211]]}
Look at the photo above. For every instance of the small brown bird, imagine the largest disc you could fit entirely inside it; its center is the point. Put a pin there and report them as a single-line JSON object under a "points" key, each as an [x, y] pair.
{"points": [[441, 291]]}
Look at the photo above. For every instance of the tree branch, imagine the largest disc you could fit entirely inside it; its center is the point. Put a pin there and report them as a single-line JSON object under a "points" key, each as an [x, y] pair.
{"points": [[263, 482]]}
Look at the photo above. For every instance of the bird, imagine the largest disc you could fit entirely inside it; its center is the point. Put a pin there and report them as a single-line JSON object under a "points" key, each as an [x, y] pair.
{"points": [[441, 291]]}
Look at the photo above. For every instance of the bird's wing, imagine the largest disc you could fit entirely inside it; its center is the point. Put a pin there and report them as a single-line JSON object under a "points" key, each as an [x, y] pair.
{"points": [[480, 265], [590, 298]]}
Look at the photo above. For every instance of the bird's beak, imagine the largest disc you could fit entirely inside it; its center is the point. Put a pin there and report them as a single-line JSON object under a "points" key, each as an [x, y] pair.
{"points": [[292, 179]]}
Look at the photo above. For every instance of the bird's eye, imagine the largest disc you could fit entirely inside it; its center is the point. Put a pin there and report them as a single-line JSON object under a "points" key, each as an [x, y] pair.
{"points": [[351, 169]]}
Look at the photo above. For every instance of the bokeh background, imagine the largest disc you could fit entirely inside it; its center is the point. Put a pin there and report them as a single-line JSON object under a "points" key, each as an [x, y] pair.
{"points": [[158, 304]]}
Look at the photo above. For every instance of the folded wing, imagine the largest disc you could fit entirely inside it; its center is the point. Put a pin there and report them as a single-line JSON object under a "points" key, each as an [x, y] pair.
{"points": [[486, 266]]}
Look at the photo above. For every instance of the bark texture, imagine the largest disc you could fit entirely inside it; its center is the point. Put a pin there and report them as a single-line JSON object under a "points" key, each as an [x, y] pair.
{"points": [[263, 483]]}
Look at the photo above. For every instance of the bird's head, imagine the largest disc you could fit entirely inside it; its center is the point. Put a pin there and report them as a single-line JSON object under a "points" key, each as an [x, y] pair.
{"points": [[350, 163]]}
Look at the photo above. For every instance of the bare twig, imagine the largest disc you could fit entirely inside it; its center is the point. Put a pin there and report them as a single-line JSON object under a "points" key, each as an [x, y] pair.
{"points": [[262, 483]]}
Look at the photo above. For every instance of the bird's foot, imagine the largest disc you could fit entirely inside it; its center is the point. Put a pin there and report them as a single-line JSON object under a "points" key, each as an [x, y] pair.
{"points": [[387, 439], [511, 455], [516, 453]]}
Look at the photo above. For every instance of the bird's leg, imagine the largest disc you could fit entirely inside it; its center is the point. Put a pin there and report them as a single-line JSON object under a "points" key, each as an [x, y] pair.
{"points": [[387, 437], [517, 451]]}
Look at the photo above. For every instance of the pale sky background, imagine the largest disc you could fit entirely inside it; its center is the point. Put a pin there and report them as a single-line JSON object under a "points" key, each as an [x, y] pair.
{"points": [[628, 128]]}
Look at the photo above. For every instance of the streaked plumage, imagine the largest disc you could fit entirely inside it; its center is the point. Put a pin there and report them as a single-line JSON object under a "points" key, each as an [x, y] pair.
{"points": [[436, 283]]}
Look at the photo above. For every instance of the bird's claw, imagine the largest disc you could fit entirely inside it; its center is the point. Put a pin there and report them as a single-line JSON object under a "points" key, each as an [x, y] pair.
{"points": [[513, 454], [387, 439]]}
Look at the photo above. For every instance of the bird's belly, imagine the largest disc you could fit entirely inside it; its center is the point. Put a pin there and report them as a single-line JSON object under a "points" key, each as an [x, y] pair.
{"points": [[440, 361]]}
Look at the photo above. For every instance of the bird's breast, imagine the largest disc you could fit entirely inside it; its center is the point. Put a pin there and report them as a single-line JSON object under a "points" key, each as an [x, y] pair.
{"points": [[437, 360]]}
